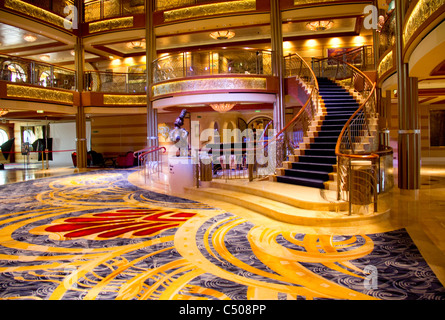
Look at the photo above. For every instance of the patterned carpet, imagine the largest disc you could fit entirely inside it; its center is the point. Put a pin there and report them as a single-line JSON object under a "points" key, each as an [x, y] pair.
{"points": [[96, 236]]}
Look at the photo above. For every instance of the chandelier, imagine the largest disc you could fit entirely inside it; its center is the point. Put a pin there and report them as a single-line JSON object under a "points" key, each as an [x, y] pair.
{"points": [[222, 106], [137, 44], [222, 35], [29, 38], [3, 112], [320, 25]]}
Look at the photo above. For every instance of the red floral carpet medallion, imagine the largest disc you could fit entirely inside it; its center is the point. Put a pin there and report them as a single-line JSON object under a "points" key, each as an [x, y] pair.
{"points": [[129, 223]]}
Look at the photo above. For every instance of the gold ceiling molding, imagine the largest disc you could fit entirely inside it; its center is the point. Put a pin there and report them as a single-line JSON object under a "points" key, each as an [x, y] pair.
{"points": [[36, 12], [209, 10], [421, 12], [125, 99], [386, 64], [42, 94], [209, 84], [111, 24]]}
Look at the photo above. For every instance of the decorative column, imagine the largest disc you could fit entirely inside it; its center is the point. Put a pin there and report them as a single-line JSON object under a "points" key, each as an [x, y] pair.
{"points": [[408, 107], [81, 141], [152, 121], [277, 63]]}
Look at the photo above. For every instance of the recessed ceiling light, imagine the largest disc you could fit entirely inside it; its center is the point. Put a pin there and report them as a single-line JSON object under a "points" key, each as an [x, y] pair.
{"points": [[29, 38], [44, 57]]}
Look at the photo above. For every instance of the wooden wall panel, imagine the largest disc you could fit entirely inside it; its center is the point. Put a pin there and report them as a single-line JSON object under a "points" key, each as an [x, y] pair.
{"points": [[118, 133]]}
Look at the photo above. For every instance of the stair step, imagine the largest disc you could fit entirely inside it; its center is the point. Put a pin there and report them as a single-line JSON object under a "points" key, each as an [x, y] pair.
{"points": [[326, 138], [335, 121], [321, 167], [329, 133], [319, 152], [307, 174], [313, 183], [323, 145], [340, 110], [274, 209], [338, 96], [333, 127], [332, 116], [318, 159]]}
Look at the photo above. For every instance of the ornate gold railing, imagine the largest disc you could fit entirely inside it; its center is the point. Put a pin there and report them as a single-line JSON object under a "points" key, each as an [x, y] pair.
{"points": [[95, 10], [115, 82], [173, 4], [19, 70], [293, 133], [358, 160], [215, 62]]}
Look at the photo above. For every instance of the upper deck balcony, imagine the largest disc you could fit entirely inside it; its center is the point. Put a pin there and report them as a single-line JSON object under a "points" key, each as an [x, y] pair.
{"points": [[234, 70]]}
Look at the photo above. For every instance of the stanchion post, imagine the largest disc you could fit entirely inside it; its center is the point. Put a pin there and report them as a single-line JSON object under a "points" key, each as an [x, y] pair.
{"points": [[47, 160]]}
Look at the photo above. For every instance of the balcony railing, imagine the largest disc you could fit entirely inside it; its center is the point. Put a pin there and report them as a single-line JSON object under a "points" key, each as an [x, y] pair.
{"points": [[218, 62], [20, 70], [115, 82], [172, 4], [103, 9], [56, 7]]}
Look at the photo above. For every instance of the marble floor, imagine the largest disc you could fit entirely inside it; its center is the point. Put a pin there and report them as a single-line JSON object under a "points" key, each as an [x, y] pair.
{"points": [[420, 212]]}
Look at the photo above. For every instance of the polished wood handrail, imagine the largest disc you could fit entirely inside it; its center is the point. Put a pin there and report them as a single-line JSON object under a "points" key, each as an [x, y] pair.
{"points": [[292, 121], [151, 151], [305, 105], [337, 146]]}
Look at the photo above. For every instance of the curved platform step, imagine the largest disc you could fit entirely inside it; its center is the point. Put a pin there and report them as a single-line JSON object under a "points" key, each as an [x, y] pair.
{"points": [[299, 205]]}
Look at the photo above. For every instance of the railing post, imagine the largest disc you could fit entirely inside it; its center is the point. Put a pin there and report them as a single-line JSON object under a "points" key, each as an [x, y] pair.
{"points": [[338, 178], [376, 194], [349, 185]]}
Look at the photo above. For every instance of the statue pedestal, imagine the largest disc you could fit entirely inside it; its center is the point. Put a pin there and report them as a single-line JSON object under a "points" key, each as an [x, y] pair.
{"points": [[180, 173]]}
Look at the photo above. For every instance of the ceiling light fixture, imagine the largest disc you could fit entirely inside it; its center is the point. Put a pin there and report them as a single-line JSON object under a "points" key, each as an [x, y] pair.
{"points": [[44, 57], [222, 106], [222, 35], [320, 25], [137, 44], [3, 112], [29, 38]]}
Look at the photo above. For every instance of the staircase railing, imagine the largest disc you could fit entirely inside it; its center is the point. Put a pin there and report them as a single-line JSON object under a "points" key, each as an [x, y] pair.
{"points": [[358, 160], [291, 136], [149, 160]]}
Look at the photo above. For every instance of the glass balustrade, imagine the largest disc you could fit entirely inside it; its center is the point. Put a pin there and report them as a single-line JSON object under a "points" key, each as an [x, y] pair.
{"points": [[25, 71], [208, 63]]}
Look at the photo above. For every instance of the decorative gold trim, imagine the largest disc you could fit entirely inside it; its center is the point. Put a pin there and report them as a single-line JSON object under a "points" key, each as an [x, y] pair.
{"points": [[111, 24], [36, 12], [34, 93], [115, 99], [209, 84], [421, 12], [386, 64], [209, 10]]}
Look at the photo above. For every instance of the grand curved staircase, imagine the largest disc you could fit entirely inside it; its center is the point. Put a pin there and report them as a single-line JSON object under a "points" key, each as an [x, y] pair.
{"points": [[327, 158], [312, 164]]}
